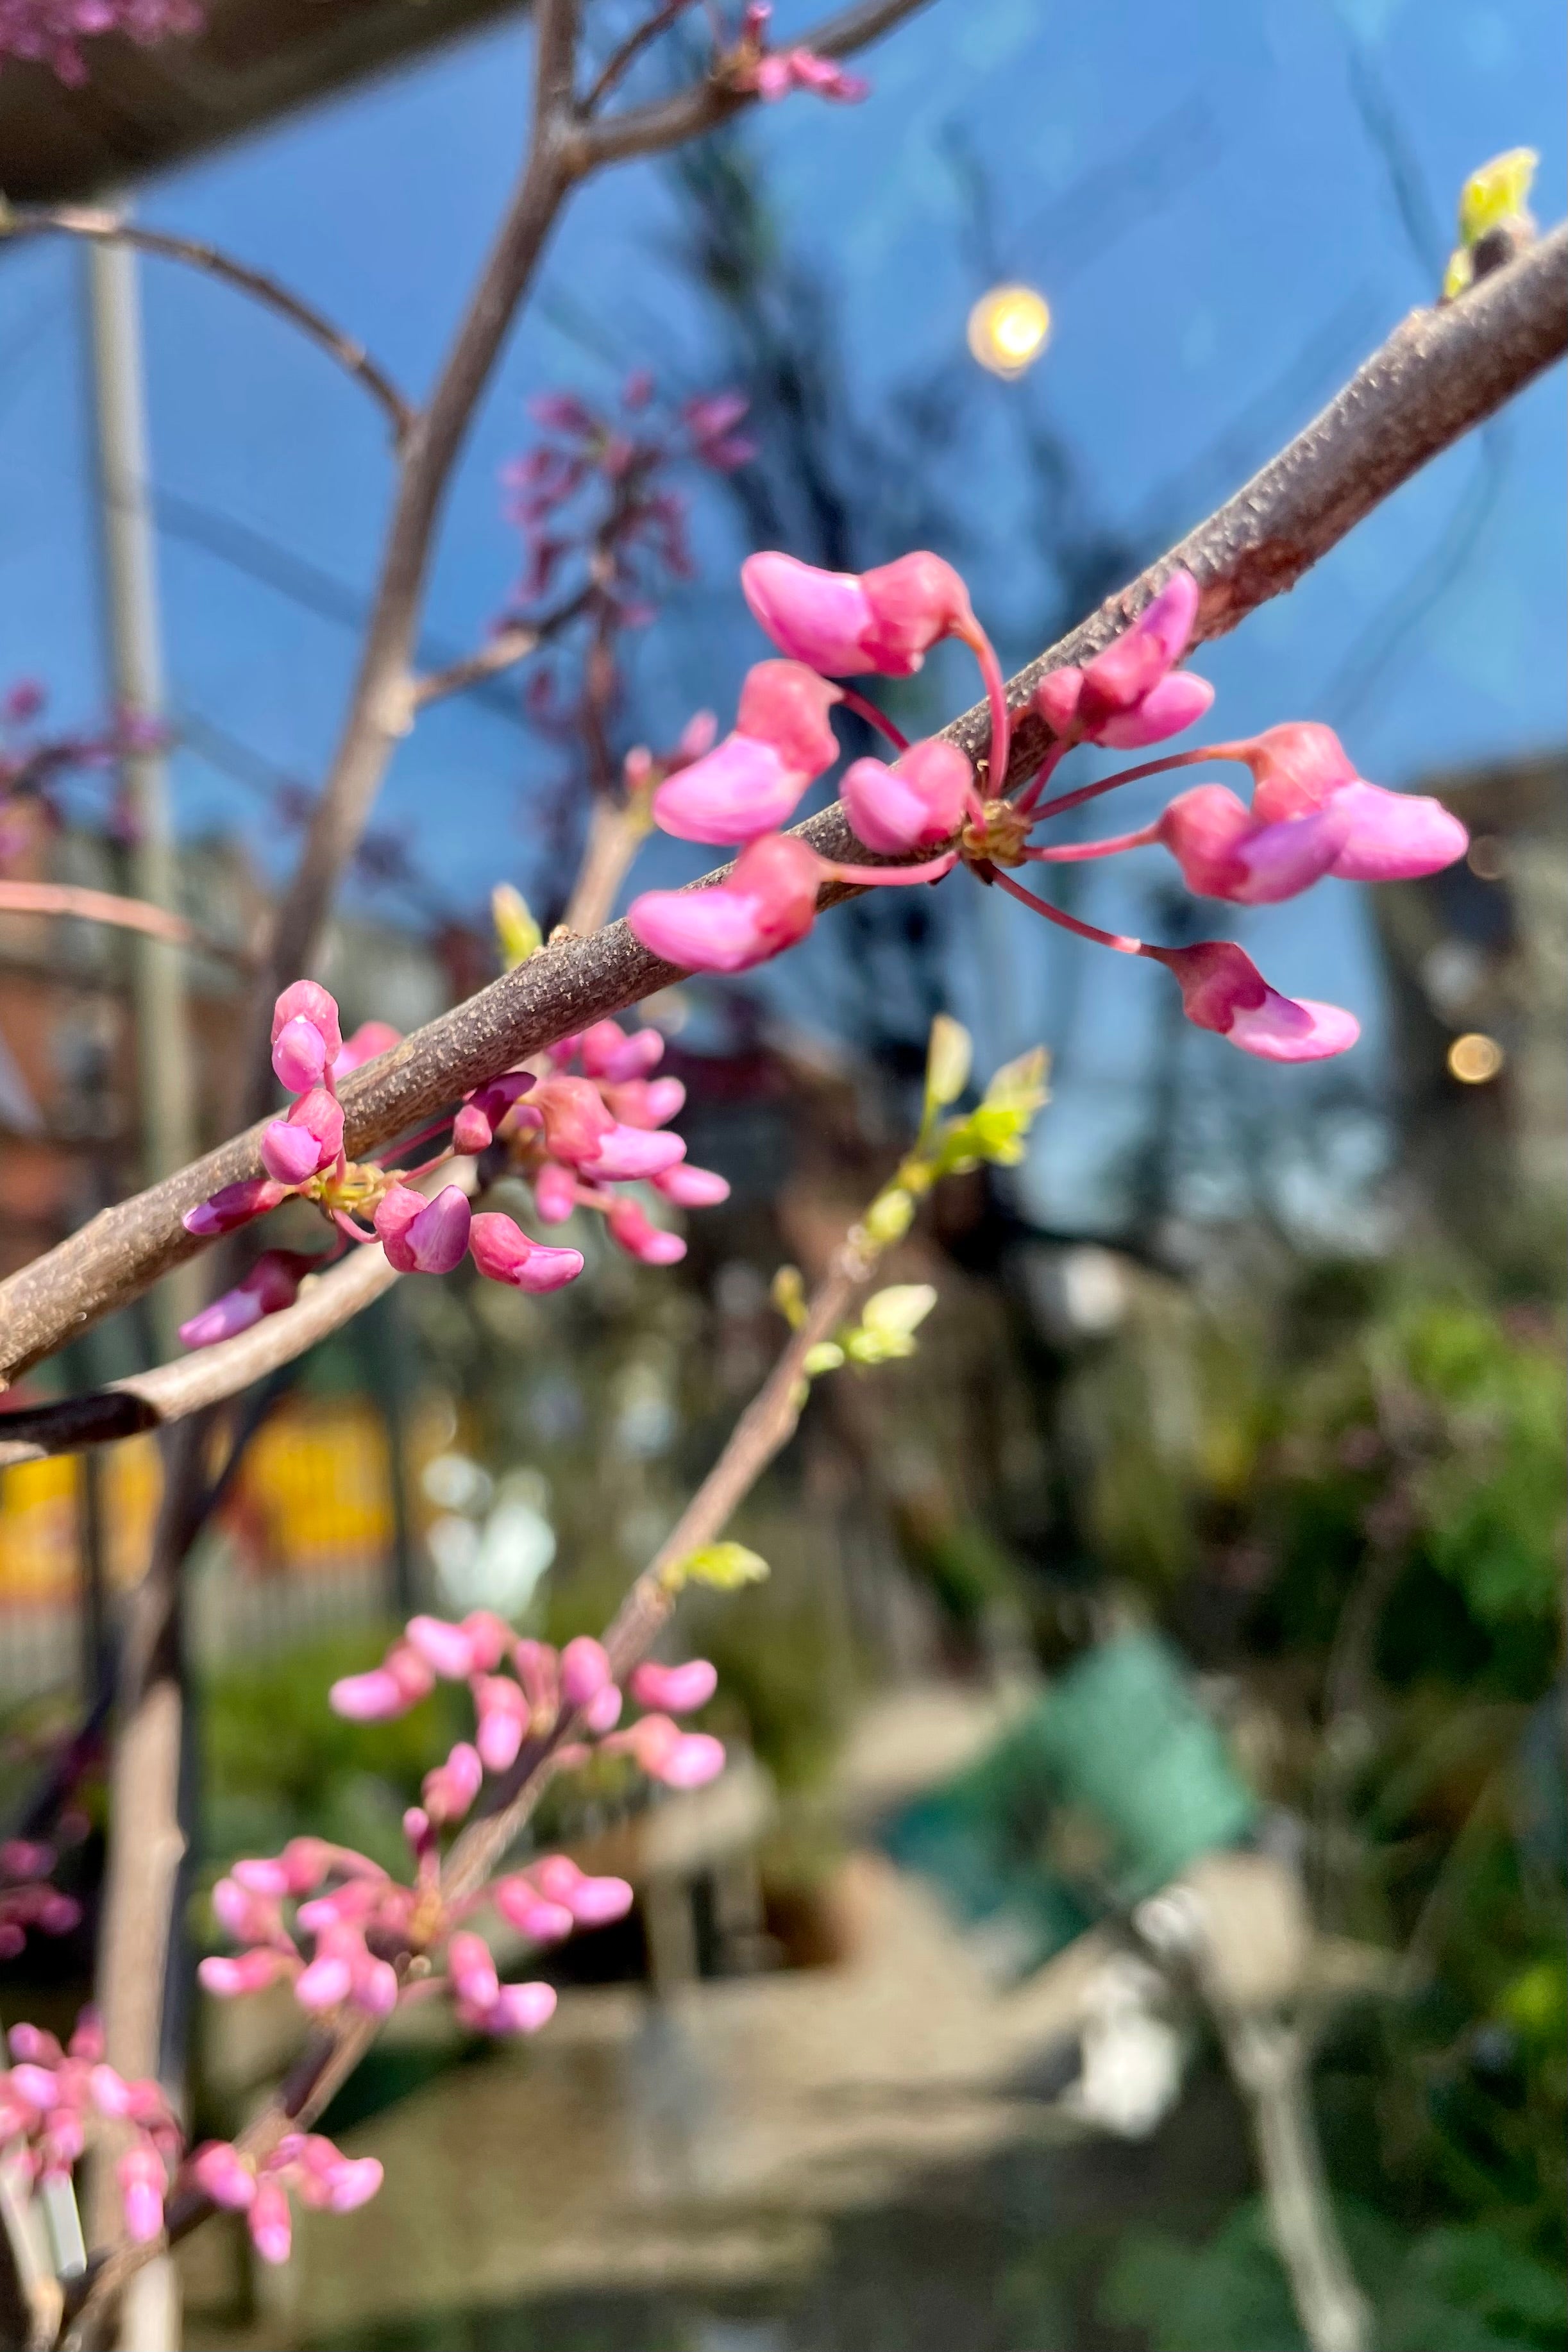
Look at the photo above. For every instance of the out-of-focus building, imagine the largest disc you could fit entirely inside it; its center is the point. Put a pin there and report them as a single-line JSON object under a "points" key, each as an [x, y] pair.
{"points": [[1477, 964]]}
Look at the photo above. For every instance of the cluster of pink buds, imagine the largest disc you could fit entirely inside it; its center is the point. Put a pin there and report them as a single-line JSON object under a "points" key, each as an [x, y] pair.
{"points": [[772, 74], [1310, 814], [54, 2100], [594, 1123], [26, 1898], [304, 1157], [321, 2176], [343, 1932], [35, 767], [51, 32]]}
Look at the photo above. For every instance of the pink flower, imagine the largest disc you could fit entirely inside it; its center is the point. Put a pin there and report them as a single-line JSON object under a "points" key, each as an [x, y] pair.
{"points": [[503, 1252], [1301, 768], [628, 1154], [233, 1205], [294, 1149], [572, 1114], [681, 1760], [522, 1906], [632, 1230], [676, 1690], [1225, 853], [477, 1121], [422, 1236], [272, 1284], [371, 1038], [918, 802], [1132, 693], [451, 1788], [1223, 990], [766, 904], [584, 1671], [645, 1102], [142, 2179], [222, 2173], [502, 1714], [306, 1006], [271, 2228], [842, 623], [472, 1970], [608, 1053], [691, 1187], [227, 1977], [520, 2009], [751, 783], [447, 1649], [555, 1192]]}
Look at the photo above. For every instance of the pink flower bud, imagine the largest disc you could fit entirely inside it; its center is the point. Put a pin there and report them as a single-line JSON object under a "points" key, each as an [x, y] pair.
{"points": [[272, 1284], [233, 1205], [472, 1969], [634, 1232], [1224, 853], [1223, 990], [422, 1236], [503, 1714], [222, 2173], [539, 1671], [595, 1902], [475, 1123], [740, 790], [786, 704], [555, 1192], [767, 904], [306, 1000], [447, 1649], [675, 1690], [271, 2230], [691, 1187], [299, 1054], [610, 1053], [533, 1914], [628, 1154], [918, 802], [352, 2181], [373, 1697], [309, 1138], [489, 1638], [227, 1977], [521, 2009], [584, 1671], [573, 1117], [1129, 695], [248, 1917], [693, 1762], [451, 1788], [376, 1987], [603, 1713], [504, 1252], [329, 1980], [817, 617], [142, 2184], [369, 1040], [1169, 708]]}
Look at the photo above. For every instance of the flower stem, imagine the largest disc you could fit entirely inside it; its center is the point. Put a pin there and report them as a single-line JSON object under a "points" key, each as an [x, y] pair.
{"points": [[865, 877], [1117, 939], [865, 709], [985, 654], [1132, 776], [1069, 853]]}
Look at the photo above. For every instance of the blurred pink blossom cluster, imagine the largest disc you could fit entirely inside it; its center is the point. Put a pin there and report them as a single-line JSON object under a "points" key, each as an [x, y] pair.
{"points": [[37, 769], [342, 1931], [1310, 814], [54, 2101], [320, 2175], [51, 32], [26, 1898], [772, 74]]}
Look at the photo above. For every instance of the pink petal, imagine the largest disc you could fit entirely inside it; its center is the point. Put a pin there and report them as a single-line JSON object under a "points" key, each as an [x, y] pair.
{"points": [[233, 1206], [1176, 703], [1295, 767], [786, 705], [226, 1318], [913, 602], [633, 1230], [701, 930], [1395, 836], [693, 1188], [584, 1670], [299, 1054], [918, 802], [1285, 1029], [676, 1690], [306, 1000], [521, 2009], [630, 1153], [817, 617], [1057, 696], [373, 1697], [271, 2230], [504, 1252], [437, 1239], [740, 790], [447, 1649], [1277, 861], [222, 2173]]}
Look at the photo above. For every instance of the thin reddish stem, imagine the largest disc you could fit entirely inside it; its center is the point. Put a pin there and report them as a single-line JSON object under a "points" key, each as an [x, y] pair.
{"points": [[866, 876], [985, 653], [1048, 768], [1132, 776], [412, 1142], [1117, 939], [865, 709], [1069, 853], [346, 1224]]}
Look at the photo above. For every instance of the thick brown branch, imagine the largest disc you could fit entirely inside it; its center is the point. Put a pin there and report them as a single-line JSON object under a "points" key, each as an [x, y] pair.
{"points": [[109, 229], [1440, 373]]}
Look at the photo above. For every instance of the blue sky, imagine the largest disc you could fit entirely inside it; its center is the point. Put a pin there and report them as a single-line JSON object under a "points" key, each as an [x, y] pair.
{"points": [[1273, 251]]}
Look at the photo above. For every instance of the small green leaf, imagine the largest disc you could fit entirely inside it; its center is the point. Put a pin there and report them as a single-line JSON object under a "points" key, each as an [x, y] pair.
{"points": [[889, 1217], [788, 1292], [516, 934], [723, 1566], [900, 1311], [825, 1357], [1497, 193], [947, 1059]]}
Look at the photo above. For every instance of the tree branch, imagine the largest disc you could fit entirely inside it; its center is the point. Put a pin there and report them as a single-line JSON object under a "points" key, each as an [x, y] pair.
{"points": [[619, 59], [506, 646], [103, 227], [669, 121], [1441, 371], [103, 907]]}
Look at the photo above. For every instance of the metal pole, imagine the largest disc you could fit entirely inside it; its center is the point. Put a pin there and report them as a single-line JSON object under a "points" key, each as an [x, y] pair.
{"points": [[164, 1073]]}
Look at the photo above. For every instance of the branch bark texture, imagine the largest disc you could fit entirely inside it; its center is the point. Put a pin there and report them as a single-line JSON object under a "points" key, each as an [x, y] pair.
{"points": [[1440, 373]]}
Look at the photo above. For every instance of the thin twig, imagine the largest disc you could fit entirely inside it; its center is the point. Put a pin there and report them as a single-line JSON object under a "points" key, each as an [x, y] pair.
{"points": [[615, 66], [1441, 371], [506, 647], [85, 905], [104, 228], [615, 834]]}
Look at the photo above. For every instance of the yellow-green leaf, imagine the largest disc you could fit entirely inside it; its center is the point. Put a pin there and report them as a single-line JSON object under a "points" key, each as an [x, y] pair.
{"points": [[516, 934], [889, 1217], [723, 1566], [947, 1059], [789, 1294], [825, 1357], [1497, 193]]}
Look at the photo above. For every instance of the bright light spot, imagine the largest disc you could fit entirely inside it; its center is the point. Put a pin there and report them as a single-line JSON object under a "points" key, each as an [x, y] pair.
{"points": [[1474, 1058], [1008, 329]]}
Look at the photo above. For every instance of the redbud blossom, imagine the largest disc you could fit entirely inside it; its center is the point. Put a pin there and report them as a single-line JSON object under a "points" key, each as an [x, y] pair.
{"points": [[608, 1052], [451, 1788], [555, 1192], [632, 1230], [522, 1906], [504, 1252], [143, 2180], [1300, 768], [477, 1121], [272, 1284], [447, 1649], [767, 903], [294, 1149], [422, 1236], [502, 1713], [584, 1671], [520, 2009], [571, 1112], [628, 1154], [1223, 990], [308, 1001], [233, 1205], [675, 1690], [1132, 693], [918, 802], [691, 1187], [681, 1760], [1224, 852], [842, 623], [752, 783]]}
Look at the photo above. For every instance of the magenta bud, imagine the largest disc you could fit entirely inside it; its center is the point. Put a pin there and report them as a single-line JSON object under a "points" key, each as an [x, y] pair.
{"points": [[767, 904], [602, 1714], [595, 1902], [271, 2231], [142, 2179], [504, 1252], [918, 802], [693, 1762], [233, 1206], [447, 1650], [675, 1690], [628, 1154], [373, 1697], [584, 1671], [306, 1000], [634, 1232], [521, 2009], [299, 1054], [608, 1053], [328, 1981], [555, 1192], [533, 1914], [472, 1969], [221, 2172], [691, 1187]]}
